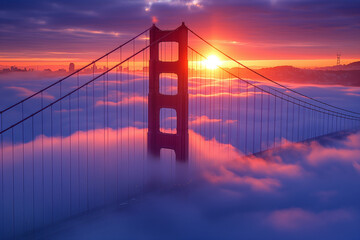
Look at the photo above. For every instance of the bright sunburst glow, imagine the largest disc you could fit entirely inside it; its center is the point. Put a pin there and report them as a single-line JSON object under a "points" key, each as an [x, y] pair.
{"points": [[212, 62]]}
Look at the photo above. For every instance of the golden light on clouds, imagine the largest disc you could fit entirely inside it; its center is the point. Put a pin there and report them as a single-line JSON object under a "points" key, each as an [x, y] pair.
{"points": [[154, 19]]}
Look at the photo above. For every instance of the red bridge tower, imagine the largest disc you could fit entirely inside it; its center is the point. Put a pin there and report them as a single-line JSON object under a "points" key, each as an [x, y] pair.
{"points": [[157, 140]]}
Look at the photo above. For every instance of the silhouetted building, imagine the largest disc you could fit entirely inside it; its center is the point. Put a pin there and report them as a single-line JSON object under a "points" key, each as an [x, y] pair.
{"points": [[71, 67], [14, 69], [61, 70]]}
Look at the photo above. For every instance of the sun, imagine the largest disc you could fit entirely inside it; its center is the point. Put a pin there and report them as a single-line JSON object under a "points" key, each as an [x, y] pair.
{"points": [[212, 62]]}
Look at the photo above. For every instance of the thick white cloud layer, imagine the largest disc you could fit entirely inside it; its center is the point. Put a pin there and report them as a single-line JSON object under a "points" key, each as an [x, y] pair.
{"points": [[282, 194], [303, 190]]}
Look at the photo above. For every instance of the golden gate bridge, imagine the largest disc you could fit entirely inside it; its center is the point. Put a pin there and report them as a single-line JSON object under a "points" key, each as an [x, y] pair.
{"points": [[84, 141]]}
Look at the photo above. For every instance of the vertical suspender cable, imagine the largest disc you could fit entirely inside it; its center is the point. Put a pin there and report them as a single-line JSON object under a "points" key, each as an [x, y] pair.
{"points": [[261, 119], [254, 121]]}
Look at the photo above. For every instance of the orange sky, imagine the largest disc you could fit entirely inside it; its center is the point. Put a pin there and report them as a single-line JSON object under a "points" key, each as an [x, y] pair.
{"points": [[55, 64]]}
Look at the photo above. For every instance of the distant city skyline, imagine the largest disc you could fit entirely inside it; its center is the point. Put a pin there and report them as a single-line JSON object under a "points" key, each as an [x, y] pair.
{"points": [[261, 64]]}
